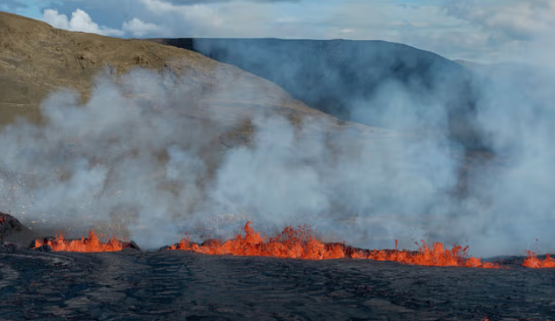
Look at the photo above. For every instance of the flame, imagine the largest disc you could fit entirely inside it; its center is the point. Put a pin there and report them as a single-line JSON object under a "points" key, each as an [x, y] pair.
{"points": [[532, 261], [89, 244], [300, 243]]}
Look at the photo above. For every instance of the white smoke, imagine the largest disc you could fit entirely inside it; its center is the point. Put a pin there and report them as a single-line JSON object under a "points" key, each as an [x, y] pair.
{"points": [[137, 153]]}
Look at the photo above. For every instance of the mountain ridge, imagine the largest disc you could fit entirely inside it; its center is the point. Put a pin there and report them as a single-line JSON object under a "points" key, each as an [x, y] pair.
{"points": [[353, 79]]}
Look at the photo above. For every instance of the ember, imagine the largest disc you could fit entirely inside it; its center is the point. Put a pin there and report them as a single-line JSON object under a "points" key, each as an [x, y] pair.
{"points": [[89, 244], [532, 261], [301, 243]]}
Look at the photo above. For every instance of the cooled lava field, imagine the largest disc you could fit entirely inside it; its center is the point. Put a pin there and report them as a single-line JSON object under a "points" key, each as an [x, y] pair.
{"points": [[182, 285]]}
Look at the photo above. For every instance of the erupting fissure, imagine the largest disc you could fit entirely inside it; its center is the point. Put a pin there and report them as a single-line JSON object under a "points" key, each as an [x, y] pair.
{"points": [[532, 261], [301, 243], [90, 244], [296, 243]]}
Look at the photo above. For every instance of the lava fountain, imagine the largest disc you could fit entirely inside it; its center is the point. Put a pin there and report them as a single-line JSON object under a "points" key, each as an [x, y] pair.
{"points": [[532, 261], [90, 244], [300, 243], [295, 243]]}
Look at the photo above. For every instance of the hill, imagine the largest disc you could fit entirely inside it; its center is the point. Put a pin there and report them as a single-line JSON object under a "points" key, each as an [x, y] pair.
{"points": [[36, 59], [162, 134], [359, 81]]}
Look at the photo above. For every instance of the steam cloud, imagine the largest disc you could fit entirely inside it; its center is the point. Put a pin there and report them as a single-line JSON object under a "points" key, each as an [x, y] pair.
{"points": [[134, 154]]}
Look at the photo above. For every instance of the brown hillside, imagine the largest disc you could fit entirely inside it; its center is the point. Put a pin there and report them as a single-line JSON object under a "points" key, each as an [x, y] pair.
{"points": [[36, 58]]}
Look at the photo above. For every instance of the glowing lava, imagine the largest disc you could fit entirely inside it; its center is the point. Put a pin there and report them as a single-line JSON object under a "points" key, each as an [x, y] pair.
{"points": [[434, 255], [532, 261], [89, 244], [300, 243], [291, 243]]}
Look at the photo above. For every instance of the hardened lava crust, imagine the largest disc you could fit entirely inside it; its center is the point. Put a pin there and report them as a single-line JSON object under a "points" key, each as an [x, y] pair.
{"points": [[182, 285]]}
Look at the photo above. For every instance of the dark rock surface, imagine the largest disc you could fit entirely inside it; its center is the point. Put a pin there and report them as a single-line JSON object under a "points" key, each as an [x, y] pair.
{"points": [[11, 230], [178, 285]]}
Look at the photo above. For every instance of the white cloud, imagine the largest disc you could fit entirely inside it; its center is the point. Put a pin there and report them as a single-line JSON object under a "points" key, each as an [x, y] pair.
{"points": [[483, 30], [55, 19], [80, 21], [514, 30], [521, 20], [199, 19], [139, 28]]}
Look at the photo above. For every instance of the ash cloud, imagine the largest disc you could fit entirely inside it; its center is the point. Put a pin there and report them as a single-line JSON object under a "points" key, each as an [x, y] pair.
{"points": [[136, 154]]}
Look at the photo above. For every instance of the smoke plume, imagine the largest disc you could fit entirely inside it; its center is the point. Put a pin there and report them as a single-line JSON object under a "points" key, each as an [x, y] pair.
{"points": [[137, 154]]}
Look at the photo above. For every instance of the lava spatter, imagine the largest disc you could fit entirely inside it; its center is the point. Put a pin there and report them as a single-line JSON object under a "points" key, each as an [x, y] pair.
{"points": [[300, 243], [532, 261], [90, 244]]}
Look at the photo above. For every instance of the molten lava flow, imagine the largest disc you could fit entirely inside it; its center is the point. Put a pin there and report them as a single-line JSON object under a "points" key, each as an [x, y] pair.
{"points": [[2, 219], [302, 244], [291, 243], [434, 255], [532, 261], [89, 244]]}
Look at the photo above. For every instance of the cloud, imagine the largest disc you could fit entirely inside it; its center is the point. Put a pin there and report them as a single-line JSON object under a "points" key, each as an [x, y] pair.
{"points": [[80, 21], [139, 28], [189, 2], [493, 29], [520, 20], [55, 19]]}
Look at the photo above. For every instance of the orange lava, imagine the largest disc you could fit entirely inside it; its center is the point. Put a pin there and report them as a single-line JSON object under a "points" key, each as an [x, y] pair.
{"points": [[2, 218], [532, 261], [434, 255], [89, 244], [300, 243], [291, 243]]}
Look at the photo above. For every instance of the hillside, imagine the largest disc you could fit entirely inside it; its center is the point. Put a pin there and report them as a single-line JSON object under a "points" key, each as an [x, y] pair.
{"points": [[353, 80], [162, 134], [36, 59]]}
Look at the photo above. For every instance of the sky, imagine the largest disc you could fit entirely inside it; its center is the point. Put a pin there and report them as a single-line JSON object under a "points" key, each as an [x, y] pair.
{"points": [[476, 30]]}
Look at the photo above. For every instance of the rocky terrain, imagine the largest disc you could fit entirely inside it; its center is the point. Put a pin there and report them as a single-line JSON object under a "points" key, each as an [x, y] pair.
{"points": [[180, 285]]}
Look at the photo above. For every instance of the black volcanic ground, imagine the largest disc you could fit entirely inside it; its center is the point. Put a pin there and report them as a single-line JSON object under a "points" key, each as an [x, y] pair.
{"points": [[179, 285]]}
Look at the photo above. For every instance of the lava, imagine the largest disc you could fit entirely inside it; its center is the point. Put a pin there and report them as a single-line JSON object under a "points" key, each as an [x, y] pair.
{"points": [[300, 243], [90, 244], [291, 243], [532, 261], [434, 255]]}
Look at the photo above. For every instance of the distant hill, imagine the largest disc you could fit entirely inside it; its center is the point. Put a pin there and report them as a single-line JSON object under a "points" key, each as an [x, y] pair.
{"points": [[349, 79]]}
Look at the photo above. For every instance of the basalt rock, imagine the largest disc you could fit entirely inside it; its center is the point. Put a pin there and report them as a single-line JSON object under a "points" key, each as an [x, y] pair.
{"points": [[9, 224], [44, 248], [132, 246]]}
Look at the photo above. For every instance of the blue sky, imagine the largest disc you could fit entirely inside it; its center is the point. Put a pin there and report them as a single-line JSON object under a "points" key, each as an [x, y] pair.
{"points": [[478, 30]]}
